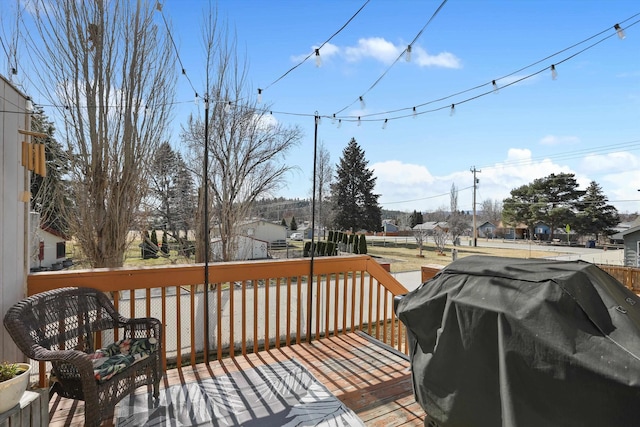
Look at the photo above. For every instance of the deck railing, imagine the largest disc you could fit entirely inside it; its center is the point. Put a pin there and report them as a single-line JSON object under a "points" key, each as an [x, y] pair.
{"points": [[251, 305], [628, 276]]}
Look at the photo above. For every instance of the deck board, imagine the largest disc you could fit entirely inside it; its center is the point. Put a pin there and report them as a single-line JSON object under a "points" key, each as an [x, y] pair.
{"points": [[371, 380]]}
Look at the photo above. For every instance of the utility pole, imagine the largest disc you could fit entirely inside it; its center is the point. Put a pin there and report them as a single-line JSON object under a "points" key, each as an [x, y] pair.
{"points": [[475, 186]]}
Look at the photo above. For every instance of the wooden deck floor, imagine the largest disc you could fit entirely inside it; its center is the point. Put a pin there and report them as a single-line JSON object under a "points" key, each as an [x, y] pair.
{"points": [[371, 380]]}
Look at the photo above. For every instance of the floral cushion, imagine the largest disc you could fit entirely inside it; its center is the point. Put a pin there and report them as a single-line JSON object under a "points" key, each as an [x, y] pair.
{"points": [[118, 356]]}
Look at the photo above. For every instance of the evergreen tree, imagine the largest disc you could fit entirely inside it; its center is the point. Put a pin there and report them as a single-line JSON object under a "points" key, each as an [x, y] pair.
{"points": [[362, 245], [51, 194], [293, 226], [165, 243], [596, 216], [284, 223], [552, 200], [154, 243], [415, 218], [354, 204]]}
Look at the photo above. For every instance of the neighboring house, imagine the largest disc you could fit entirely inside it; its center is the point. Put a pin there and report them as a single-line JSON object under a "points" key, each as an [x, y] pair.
{"points": [[263, 230], [48, 247], [14, 207], [542, 231], [389, 227], [487, 229], [512, 233], [632, 246], [432, 226], [248, 248]]}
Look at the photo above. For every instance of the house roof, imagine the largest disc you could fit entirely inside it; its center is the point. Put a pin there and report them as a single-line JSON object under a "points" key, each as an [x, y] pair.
{"points": [[631, 230], [431, 225]]}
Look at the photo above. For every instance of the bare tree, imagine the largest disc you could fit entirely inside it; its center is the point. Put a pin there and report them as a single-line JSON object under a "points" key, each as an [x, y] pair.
{"points": [[324, 177], [421, 235], [457, 221], [440, 237], [491, 210], [247, 145], [110, 70]]}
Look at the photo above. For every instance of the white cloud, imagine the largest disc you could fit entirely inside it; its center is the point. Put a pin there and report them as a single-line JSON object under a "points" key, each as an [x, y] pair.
{"points": [[416, 188], [559, 140], [373, 47], [384, 51], [443, 59], [611, 162]]}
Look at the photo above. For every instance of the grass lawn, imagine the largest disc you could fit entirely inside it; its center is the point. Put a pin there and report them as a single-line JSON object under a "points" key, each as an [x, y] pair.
{"points": [[402, 256]]}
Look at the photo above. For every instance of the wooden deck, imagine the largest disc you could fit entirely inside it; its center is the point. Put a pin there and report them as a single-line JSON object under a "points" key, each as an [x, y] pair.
{"points": [[373, 381]]}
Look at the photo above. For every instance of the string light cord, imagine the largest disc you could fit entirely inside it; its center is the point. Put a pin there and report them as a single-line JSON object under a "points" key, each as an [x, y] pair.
{"points": [[367, 117], [175, 47], [313, 52], [375, 83], [425, 198]]}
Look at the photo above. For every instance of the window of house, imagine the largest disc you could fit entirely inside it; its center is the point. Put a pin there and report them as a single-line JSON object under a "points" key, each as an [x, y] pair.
{"points": [[60, 250]]}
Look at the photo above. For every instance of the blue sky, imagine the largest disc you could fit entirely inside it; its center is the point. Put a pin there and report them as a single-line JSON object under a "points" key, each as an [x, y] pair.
{"points": [[586, 121]]}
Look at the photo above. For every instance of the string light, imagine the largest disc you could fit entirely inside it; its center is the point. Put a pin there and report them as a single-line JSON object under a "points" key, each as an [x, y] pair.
{"points": [[259, 96], [333, 119], [554, 73], [620, 31], [196, 99], [359, 122], [407, 54], [415, 113], [384, 124], [339, 123], [453, 110], [318, 59], [362, 103], [495, 87]]}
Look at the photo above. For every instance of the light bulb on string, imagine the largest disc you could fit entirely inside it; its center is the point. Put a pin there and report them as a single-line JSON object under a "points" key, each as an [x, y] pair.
{"points": [[318, 59], [359, 122], [362, 103], [495, 87], [319, 120], [415, 113], [339, 123], [259, 95], [453, 110], [384, 124], [227, 106], [620, 31], [407, 54], [333, 119], [196, 99], [554, 73]]}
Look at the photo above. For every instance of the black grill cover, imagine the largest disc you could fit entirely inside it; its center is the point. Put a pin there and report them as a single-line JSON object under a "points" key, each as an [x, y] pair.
{"points": [[512, 343]]}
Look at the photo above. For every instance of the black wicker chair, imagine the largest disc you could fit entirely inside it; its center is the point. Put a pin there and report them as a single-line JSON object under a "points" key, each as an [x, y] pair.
{"points": [[61, 326]]}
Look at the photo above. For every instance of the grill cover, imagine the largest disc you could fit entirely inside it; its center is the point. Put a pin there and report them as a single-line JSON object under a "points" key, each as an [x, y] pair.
{"points": [[510, 342]]}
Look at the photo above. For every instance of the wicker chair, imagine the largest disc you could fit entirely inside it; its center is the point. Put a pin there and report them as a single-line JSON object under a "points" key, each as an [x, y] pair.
{"points": [[61, 326]]}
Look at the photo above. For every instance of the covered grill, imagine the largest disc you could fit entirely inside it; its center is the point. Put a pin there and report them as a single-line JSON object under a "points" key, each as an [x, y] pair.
{"points": [[514, 343]]}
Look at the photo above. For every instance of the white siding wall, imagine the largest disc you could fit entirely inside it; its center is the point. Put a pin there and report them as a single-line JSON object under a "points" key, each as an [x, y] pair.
{"points": [[13, 212]]}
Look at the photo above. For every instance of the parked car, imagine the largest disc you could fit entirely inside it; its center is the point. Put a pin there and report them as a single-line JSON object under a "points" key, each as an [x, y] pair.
{"points": [[296, 236]]}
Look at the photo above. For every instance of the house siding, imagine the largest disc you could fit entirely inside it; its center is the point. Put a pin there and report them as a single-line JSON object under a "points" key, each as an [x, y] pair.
{"points": [[631, 242], [13, 212]]}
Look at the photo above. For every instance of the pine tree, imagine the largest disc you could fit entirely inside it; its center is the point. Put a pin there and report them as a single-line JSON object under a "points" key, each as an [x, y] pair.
{"points": [[293, 226], [51, 194], [354, 203], [596, 217], [165, 243], [284, 223]]}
